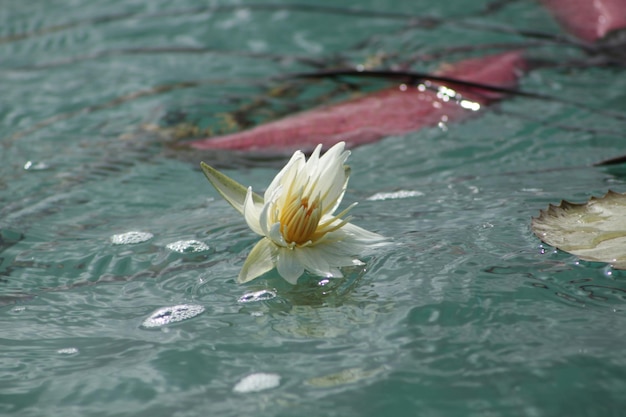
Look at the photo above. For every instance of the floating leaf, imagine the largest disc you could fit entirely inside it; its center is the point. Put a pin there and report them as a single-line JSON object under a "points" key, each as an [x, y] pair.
{"points": [[593, 231]]}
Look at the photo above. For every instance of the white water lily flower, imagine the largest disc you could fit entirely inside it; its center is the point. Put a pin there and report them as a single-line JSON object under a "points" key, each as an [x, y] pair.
{"points": [[295, 217]]}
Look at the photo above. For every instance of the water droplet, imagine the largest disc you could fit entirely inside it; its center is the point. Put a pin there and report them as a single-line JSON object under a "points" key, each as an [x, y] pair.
{"points": [[257, 382], [173, 314], [187, 246], [35, 166], [68, 351], [262, 295], [470, 105], [130, 238]]}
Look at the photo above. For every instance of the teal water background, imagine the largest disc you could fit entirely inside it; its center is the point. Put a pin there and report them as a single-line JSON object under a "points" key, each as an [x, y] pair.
{"points": [[466, 313]]}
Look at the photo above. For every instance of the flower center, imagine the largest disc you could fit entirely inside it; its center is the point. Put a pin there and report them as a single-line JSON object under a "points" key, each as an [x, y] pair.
{"points": [[299, 218]]}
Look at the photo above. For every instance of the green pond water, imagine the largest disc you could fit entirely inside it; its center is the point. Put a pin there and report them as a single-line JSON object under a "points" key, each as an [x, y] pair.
{"points": [[466, 313]]}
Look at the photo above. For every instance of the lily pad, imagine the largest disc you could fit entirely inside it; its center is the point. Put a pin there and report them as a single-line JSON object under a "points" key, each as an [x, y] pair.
{"points": [[593, 231]]}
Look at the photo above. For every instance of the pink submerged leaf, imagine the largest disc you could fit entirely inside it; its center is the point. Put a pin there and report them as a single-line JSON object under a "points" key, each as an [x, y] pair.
{"points": [[588, 20], [391, 111]]}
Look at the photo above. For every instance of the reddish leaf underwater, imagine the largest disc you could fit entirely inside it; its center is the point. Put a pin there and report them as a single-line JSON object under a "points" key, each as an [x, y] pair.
{"points": [[392, 111], [402, 109], [588, 20]]}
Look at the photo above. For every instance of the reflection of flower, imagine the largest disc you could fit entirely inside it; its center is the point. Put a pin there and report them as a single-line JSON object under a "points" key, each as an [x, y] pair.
{"points": [[296, 218]]}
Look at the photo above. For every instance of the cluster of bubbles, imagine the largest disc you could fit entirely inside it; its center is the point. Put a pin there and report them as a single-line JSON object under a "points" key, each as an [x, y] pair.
{"points": [[181, 246], [395, 195], [68, 351], [131, 238], [262, 295], [187, 246], [172, 314]]}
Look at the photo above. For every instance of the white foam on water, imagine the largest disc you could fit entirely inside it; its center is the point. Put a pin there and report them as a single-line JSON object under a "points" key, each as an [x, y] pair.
{"points": [[257, 382], [130, 238], [187, 246], [172, 314], [395, 195], [68, 351]]}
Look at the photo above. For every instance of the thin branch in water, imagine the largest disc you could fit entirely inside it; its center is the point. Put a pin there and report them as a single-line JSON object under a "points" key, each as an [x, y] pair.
{"points": [[414, 77], [417, 77], [613, 161]]}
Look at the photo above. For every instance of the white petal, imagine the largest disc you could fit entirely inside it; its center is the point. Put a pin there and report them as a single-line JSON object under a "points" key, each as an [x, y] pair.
{"points": [[231, 190], [332, 177], [288, 265], [276, 236], [252, 213], [264, 220], [335, 196], [314, 261], [334, 254], [293, 166], [335, 152], [312, 166], [361, 235], [266, 217], [259, 261]]}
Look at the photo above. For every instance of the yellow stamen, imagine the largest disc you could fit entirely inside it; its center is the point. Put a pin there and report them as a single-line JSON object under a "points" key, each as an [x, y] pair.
{"points": [[299, 218]]}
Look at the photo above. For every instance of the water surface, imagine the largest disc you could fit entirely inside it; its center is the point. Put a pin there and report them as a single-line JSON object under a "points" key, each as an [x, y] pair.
{"points": [[465, 314]]}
